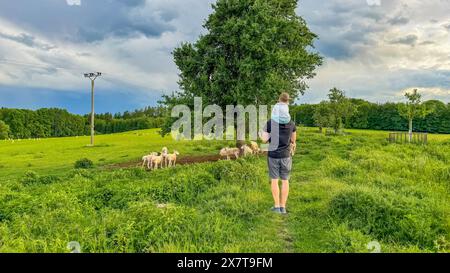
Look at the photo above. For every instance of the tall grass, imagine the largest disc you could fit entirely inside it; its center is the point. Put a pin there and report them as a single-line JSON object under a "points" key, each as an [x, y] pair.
{"points": [[346, 191]]}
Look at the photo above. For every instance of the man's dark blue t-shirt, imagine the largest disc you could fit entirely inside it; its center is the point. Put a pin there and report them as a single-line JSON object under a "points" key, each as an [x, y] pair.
{"points": [[284, 134]]}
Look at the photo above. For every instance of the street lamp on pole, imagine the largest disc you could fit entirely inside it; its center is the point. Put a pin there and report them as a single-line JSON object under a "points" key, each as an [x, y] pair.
{"points": [[92, 77]]}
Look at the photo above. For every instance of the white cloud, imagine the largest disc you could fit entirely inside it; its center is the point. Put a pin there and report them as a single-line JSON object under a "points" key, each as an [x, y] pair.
{"points": [[138, 64], [73, 2], [391, 56], [372, 68], [428, 93], [373, 2]]}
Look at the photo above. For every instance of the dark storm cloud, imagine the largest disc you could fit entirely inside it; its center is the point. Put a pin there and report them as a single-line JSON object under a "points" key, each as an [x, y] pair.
{"points": [[338, 51], [398, 21], [343, 27], [427, 43], [26, 39], [89, 22], [406, 40], [355, 40], [447, 26]]}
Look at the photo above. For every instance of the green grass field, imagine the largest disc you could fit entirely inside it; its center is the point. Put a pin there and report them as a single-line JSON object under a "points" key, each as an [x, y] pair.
{"points": [[346, 191], [58, 155]]}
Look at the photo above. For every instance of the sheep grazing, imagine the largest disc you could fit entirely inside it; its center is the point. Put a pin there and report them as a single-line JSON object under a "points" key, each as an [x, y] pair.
{"points": [[148, 159], [293, 148], [254, 146], [164, 153], [229, 152], [246, 150], [157, 160], [223, 152], [172, 158]]}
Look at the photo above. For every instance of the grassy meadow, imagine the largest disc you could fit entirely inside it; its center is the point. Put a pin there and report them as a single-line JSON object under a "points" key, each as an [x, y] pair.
{"points": [[346, 191], [58, 155]]}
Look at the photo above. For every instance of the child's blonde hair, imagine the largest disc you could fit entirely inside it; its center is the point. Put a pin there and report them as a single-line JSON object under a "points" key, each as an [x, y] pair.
{"points": [[284, 97]]}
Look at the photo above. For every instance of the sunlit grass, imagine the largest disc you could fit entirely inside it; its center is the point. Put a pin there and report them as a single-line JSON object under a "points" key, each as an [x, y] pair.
{"points": [[346, 191]]}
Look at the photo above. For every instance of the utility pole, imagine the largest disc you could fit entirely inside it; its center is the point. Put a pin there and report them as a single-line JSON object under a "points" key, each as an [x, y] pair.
{"points": [[92, 77]]}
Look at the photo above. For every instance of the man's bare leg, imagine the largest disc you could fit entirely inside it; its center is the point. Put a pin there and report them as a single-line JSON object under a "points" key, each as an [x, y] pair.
{"points": [[284, 192], [276, 193]]}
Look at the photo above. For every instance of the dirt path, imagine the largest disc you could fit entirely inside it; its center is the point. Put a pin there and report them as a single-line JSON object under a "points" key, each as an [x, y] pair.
{"points": [[184, 160], [285, 235]]}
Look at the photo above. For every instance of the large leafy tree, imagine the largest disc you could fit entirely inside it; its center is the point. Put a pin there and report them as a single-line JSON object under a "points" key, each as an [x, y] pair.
{"points": [[340, 108], [251, 52], [321, 115], [413, 108]]}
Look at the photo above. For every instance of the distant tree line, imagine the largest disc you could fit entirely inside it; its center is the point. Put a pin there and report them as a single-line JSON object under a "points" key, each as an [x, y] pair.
{"points": [[53, 122], [146, 118], [376, 116], [339, 112]]}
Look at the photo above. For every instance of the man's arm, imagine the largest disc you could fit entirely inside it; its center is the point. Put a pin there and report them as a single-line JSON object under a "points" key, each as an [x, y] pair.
{"points": [[264, 136], [294, 137]]}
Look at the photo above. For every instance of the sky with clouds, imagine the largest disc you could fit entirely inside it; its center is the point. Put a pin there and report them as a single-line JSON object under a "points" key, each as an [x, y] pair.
{"points": [[373, 49]]}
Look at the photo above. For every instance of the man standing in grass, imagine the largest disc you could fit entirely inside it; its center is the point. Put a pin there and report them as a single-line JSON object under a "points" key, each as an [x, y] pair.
{"points": [[280, 132]]}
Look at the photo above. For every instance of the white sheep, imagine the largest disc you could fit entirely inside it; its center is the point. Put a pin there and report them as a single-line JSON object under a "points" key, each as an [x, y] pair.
{"points": [[172, 158], [164, 153], [229, 152], [254, 146], [246, 150], [157, 160], [148, 159]]}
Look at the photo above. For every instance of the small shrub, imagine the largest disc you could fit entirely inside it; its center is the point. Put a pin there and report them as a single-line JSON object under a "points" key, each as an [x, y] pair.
{"points": [[84, 163], [337, 167], [32, 178], [132, 173], [184, 187], [14, 203], [49, 179], [237, 172], [29, 178], [83, 173], [390, 217], [443, 174], [98, 198], [341, 239]]}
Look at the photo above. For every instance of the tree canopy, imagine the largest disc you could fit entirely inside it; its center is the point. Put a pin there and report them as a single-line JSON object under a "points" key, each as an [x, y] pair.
{"points": [[252, 51], [413, 108], [340, 108]]}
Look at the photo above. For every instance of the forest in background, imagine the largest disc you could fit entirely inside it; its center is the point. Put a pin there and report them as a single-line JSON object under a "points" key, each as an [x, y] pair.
{"points": [[382, 116], [53, 122]]}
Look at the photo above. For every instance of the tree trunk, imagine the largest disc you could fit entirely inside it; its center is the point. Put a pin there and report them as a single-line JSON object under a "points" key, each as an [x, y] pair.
{"points": [[410, 130], [320, 129]]}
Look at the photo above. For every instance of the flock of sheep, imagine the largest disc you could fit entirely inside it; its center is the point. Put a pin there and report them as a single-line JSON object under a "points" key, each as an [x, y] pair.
{"points": [[153, 160], [245, 150]]}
